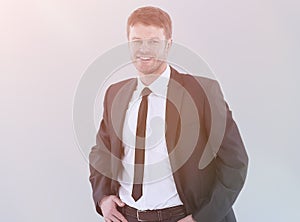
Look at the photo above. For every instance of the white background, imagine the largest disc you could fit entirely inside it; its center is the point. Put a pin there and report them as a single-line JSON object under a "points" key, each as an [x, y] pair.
{"points": [[252, 46]]}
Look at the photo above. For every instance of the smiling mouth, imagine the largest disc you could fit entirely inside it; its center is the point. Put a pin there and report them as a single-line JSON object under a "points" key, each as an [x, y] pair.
{"points": [[144, 58]]}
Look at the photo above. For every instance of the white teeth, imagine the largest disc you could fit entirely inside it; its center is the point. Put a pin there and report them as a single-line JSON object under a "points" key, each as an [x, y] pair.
{"points": [[145, 58]]}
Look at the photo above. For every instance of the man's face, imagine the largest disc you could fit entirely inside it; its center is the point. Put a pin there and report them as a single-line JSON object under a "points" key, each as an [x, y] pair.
{"points": [[149, 48]]}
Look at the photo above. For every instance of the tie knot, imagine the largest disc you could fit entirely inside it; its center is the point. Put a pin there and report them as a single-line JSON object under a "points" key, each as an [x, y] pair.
{"points": [[146, 92]]}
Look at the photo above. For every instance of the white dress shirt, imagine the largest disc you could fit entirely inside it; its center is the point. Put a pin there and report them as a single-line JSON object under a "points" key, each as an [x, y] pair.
{"points": [[159, 190]]}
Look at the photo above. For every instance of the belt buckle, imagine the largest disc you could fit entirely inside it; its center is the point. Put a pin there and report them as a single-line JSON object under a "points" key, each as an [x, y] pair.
{"points": [[138, 215]]}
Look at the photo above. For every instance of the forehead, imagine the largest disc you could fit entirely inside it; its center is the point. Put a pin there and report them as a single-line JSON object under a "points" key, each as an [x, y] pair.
{"points": [[143, 31]]}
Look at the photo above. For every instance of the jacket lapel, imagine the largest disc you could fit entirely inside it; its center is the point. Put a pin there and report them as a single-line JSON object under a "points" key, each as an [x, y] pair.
{"points": [[118, 112], [173, 108], [175, 97], [120, 105]]}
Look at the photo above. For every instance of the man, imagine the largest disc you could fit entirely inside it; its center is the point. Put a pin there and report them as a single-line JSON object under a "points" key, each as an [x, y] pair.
{"points": [[151, 161]]}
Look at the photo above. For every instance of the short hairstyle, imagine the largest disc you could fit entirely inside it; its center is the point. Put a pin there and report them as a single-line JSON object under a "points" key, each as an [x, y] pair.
{"points": [[151, 16]]}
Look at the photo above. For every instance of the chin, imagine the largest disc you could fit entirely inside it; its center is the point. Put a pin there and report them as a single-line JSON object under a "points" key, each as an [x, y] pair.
{"points": [[148, 69]]}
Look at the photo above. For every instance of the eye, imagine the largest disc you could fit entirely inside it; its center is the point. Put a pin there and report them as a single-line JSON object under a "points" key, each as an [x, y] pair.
{"points": [[136, 42], [154, 42]]}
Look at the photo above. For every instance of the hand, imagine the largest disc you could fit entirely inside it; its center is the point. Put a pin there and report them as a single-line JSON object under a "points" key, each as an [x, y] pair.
{"points": [[109, 210], [188, 218]]}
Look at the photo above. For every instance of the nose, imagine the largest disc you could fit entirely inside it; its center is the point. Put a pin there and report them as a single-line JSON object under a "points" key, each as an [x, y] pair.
{"points": [[145, 47]]}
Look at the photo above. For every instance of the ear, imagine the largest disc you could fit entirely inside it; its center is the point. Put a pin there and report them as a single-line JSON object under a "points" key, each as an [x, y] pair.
{"points": [[169, 43]]}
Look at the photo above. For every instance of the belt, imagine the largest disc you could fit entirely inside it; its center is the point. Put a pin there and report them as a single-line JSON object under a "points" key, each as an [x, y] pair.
{"points": [[153, 215]]}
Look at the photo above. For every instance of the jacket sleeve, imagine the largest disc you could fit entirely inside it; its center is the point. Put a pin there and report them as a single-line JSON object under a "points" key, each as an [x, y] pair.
{"points": [[100, 161], [231, 162]]}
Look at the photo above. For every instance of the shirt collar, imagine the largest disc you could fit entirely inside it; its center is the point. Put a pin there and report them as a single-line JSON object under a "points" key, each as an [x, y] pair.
{"points": [[159, 86]]}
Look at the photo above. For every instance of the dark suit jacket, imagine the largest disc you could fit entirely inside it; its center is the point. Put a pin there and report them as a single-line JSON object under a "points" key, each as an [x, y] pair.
{"points": [[199, 129]]}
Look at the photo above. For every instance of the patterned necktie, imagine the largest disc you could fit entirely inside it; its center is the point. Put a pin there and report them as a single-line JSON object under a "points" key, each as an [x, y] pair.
{"points": [[140, 146]]}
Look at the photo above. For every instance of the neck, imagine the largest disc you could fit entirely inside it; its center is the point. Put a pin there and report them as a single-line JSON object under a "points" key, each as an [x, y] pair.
{"points": [[147, 79]]}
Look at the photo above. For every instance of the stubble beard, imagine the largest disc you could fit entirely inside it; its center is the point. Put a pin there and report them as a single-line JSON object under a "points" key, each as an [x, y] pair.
{"points": [[150, 72]]}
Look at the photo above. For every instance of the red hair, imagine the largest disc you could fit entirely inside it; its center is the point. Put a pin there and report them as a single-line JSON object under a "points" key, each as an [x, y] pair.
{"points": [[151, 16]]}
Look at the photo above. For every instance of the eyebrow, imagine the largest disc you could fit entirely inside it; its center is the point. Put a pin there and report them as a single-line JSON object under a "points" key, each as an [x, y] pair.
{"points": [[137, 38]]}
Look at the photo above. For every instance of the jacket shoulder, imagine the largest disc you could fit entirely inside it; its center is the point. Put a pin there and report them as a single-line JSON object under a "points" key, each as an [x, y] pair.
{"points": [[115, 87], [190, 78], [203, 81]]}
